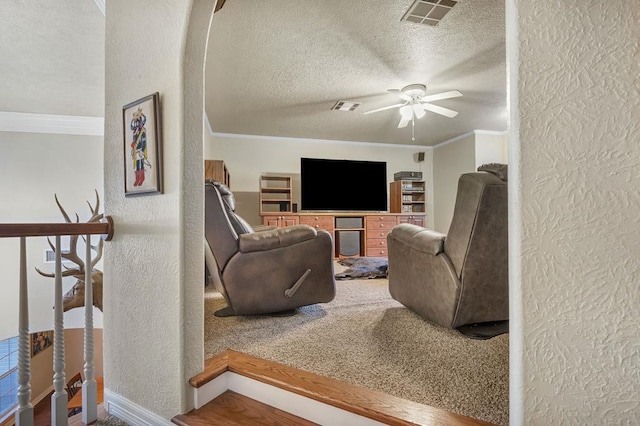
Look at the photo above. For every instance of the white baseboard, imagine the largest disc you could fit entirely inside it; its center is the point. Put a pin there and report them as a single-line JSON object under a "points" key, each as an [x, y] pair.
{"points": [[210, 390], [298, 405], [131, 412], [284, 400]]}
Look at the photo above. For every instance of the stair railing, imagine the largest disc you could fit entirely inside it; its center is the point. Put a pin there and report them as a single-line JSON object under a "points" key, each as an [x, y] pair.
{"points": [[59, 399]]}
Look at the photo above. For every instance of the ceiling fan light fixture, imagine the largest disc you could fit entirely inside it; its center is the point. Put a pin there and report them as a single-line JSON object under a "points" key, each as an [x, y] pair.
{"points": [[406, 112]]}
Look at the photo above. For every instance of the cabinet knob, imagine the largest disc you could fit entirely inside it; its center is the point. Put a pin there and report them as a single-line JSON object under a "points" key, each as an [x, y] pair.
{"points": [[382, 234], [316, 225], [381, 243], [316, 217]]}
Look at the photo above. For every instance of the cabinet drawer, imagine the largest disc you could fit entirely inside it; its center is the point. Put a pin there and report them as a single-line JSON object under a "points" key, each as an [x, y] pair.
{"points": [[416, 220], [377, 251], [378, 233], [318, 222], [380, 222], [374, 243]]}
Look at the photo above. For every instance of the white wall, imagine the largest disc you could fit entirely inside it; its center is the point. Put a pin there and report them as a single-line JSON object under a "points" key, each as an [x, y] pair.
{"points": [[455, 157], [575, 174], [491, 147], [449, 162], [33, 168], [154, 266], [248, 157]]}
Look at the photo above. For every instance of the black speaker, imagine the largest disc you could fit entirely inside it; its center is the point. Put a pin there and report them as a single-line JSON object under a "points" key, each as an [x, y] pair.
{"points": [[348, 243]]}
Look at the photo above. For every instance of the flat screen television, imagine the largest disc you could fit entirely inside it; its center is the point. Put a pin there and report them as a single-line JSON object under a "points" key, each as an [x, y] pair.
{"points": [[343, 185]]}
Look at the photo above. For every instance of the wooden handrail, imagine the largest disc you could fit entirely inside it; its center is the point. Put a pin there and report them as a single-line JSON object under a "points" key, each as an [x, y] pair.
{"points": [[105, 228]]}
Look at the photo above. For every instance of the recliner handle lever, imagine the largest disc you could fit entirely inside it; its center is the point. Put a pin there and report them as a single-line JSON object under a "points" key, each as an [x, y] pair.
{"points": [[291, 291]]}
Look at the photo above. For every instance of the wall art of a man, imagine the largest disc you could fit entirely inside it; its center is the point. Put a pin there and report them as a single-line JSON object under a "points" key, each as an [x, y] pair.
{"points": [[139, 146]]}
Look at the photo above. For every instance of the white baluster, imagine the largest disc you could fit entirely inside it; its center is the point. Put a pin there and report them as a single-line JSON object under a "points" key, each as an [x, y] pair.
{"points": [[59, 399], [89, 387], [24, 414]]}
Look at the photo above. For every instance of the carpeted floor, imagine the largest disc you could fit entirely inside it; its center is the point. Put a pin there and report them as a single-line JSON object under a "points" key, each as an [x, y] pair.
{"points": [[366, 338], [111, 421]]}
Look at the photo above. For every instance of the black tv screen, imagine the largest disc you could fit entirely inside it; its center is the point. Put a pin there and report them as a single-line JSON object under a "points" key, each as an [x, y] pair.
{"points": [[343, 185]]}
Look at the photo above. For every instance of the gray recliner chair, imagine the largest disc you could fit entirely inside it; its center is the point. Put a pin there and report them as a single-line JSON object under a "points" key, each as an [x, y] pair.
{"points": [[462, 277], [264, 272]]}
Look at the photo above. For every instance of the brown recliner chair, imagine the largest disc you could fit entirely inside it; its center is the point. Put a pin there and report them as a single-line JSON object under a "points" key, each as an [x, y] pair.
{"points": [[264, 272], [460, 278]]}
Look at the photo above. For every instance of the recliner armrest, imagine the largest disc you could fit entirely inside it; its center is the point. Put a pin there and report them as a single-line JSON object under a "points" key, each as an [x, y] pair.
{"points": [[277, 238], [419, 238]]}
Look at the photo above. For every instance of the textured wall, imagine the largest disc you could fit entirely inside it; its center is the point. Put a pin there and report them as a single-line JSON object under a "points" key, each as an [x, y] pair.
{"points": [[579, 164], [146, 348]]}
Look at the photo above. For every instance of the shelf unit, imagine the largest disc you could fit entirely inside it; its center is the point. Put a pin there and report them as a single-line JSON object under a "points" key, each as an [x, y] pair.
{"points": [[407, 196], [217, 170], [276, 194]]}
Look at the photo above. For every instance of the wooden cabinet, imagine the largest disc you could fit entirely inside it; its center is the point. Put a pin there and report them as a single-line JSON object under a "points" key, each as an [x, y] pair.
{"points": [[360, 234], [413, 219], [319, 222], [281, 221], [377, 228], [407, 196], [276, 194], [217, 170]]}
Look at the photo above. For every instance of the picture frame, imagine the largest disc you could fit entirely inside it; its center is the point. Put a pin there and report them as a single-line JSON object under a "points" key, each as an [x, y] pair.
{"points": [[142, 146], [40, 341]]}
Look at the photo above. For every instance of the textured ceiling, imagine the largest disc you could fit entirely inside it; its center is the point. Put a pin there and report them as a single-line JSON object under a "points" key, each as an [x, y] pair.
{"points": [[276, 68], [52, 57]]}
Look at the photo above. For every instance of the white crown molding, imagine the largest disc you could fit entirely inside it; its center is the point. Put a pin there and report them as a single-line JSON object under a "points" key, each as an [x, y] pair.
{"points": [[308, 140], [48, 123], [465, 135], [102, 6]]}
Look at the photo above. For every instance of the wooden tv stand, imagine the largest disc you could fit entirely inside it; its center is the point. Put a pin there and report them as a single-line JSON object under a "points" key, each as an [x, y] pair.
{"points": [[371, 228]]}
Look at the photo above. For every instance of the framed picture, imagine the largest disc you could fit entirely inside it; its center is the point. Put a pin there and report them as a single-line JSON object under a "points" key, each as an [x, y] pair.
{"points": [[41, 341], [142, 146]]}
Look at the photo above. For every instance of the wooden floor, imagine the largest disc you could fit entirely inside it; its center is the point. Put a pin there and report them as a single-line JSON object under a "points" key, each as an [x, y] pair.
{"points": [[42, 413], [231, 408], [374, 405]]}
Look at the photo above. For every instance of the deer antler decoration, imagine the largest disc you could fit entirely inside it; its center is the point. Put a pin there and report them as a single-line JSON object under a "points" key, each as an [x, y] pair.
{"points": [[74, 298]]}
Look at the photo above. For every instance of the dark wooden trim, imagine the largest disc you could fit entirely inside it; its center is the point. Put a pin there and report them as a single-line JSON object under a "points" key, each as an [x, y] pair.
{"points": [[375, 405], [8, 230]]}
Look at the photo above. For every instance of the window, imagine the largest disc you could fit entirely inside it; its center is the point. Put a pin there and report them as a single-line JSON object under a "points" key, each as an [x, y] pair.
{"points": [[8, 375]]}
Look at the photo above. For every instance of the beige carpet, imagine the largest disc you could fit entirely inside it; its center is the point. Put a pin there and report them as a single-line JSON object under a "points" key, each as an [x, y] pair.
{"points": [[364, 337]]}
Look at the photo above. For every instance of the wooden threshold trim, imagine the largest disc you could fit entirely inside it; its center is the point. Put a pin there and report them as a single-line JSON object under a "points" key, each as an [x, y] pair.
{"points": [[375, 405]]}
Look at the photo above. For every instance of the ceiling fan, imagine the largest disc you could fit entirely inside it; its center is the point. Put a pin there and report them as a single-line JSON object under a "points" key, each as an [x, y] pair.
{"points": [[416, 103]]}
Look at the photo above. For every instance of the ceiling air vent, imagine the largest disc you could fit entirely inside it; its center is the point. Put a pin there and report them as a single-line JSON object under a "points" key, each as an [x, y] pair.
{"points": [[428, 12], [345, 106]]}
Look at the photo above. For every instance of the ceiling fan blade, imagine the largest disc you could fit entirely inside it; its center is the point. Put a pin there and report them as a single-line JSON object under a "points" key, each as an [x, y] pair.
{"points": [[443, 95], [418, 110], [401, 94], [403, 122], [440, 110], [382, 109]]}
